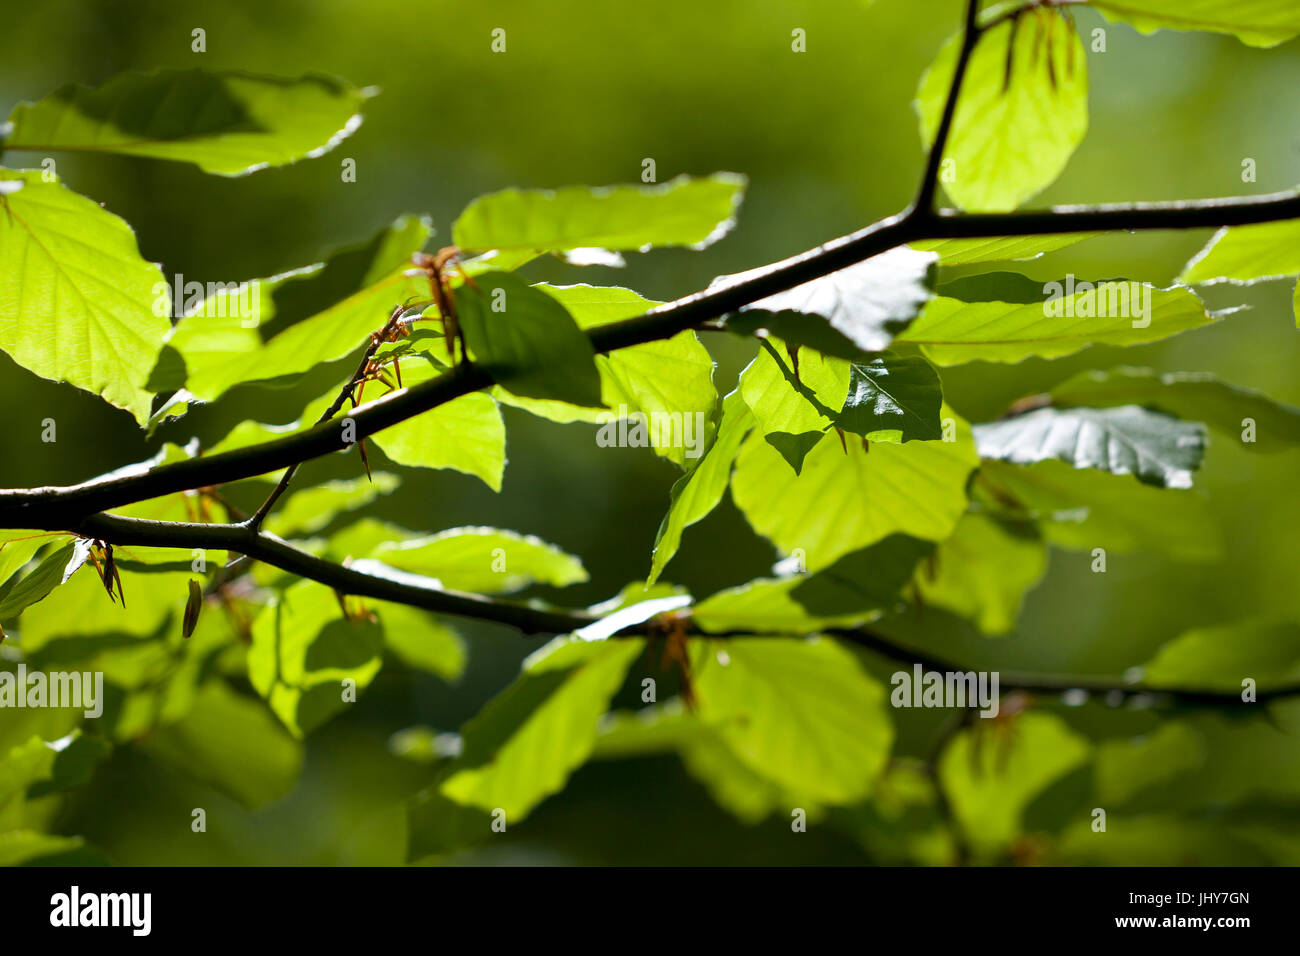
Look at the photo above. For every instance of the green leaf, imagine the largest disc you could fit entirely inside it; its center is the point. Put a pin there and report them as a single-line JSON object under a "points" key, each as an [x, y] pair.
{"points": [[765, 606], [1260, 23], [1248, 254], [1082, 509], [524, 744], [420, 640], [308, 510], [77, 303], [801, 713], [304, 650], [735, 786], [1124, 768], [226, 123], [858, 309], [696, 494], [483, 560], [961, 252], [16, 549], [320, 313], [850, 497], [1193, 396], [682, 212], [526, 340], [951, 331], [39, 767], [983, 571], [19, 847], [1220, 658], [466, 434], [666, 384], [232, 743], [866, 580], [54, 569], [782, 403], [1022, 112], [992, 775], [893, 398], [1127, 440]]}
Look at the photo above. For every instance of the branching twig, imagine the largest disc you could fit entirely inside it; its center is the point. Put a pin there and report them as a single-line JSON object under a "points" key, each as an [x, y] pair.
{"points": [[79, 508]]}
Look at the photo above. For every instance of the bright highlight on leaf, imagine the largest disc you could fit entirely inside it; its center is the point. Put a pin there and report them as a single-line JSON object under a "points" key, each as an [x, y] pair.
{"points": [[1128, 440]]}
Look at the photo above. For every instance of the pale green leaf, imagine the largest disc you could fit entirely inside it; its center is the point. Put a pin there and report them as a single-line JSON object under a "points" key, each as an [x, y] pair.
{"points": [[1256, 22], [330, 308], [304, 650], [1246, 254], [961, 252], [982, 572], [483, 560], [232, 743], [1022, 112], [681, 212], [991, 775], [849, 497], [951, 331], [801, 713], [77, 303], [696, 494], [307, 510], [420, 640], [524, 744]]}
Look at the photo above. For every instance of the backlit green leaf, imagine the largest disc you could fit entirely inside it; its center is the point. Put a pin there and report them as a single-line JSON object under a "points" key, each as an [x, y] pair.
{"points": [[1022, 112], [1246, 254], [304, 651], [951, 331], [526, 741], [800, 713], [696, 494], [850, 497], [983, 571], [1258, 23], [226, 123], [77, 303], [682, 212], [483, 560]]}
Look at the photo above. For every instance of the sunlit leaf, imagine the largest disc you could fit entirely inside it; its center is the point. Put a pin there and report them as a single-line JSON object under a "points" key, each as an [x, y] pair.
{"points": [[682, 212], [1022, 112], [77, 303]]}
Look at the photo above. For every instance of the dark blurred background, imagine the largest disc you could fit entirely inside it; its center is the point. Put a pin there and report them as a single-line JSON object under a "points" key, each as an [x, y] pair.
{"points": [[583, 94]]}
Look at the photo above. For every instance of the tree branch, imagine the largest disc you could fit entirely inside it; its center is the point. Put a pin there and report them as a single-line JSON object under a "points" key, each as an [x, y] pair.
{"points": [[930, 178], [533, 618], [78, 508], [63, 507]]}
